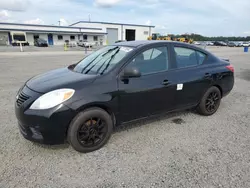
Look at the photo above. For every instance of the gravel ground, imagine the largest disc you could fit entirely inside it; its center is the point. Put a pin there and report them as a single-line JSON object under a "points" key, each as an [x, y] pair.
{"points": [[176, 150]]}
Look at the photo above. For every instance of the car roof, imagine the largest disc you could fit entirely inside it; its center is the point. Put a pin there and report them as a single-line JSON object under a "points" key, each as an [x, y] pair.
{"points": [[141, 43], [138, 43]]}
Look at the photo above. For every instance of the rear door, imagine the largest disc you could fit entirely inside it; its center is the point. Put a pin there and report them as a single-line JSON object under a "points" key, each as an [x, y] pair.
{"points": [[191, 75]]}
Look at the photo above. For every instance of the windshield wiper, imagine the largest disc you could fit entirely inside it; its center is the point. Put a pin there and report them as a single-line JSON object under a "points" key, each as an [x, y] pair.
{"points": [[109, 61], [92, 67], [90, 63], [109, 51], [97, 61]]}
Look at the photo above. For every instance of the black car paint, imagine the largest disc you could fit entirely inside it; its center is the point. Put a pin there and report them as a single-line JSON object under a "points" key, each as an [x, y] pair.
{"points": [[124, 100], [59, 78]]}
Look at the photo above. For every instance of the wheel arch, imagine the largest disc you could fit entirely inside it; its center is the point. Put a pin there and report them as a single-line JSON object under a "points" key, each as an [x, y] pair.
{"points": [[220, 88], [215, 85], [101, 106]]}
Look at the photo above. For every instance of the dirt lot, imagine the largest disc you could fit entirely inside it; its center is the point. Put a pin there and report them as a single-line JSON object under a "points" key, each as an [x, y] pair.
{"points": [[176, 150]]}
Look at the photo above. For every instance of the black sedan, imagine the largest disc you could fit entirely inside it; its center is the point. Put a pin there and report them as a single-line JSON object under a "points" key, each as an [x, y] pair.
{"points": [[127, 81], [40, 43], [219, 43]]}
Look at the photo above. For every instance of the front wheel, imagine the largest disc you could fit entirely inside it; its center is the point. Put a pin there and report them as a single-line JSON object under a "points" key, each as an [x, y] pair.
{"points": [[210, 102], [90, 130]]}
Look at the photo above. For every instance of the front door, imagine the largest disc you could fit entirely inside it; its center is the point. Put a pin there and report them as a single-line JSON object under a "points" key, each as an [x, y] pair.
{"points": [[50, 39], [152, 92]]}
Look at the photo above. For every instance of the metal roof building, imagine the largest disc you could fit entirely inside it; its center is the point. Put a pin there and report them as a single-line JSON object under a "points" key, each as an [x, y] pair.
{"points": [[98, 32]]}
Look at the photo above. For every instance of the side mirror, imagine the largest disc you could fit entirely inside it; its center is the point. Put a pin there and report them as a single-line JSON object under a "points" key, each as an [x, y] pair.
{"points": [[130, 73]]}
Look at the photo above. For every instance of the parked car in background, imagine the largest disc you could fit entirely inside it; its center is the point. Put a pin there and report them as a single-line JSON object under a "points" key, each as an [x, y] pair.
{"points": [[223, 43], [237, 44], [39, 42], [89, 44], [220, 43], [209, 43], [83, 43], [240, 44], [245, 44], [84, 102], [80, 43], [196, 43], [231, 44]]}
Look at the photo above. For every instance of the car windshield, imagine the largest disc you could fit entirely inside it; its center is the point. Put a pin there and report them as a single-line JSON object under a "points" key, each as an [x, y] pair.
{"points": [[102, 60]]}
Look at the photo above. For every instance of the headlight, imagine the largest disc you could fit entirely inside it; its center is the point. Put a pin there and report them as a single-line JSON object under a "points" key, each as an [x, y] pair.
{"points": [[52, 99]]}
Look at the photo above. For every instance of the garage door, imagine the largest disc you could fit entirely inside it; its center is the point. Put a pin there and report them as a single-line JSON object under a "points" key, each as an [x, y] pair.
{"points": [[112, 35]]}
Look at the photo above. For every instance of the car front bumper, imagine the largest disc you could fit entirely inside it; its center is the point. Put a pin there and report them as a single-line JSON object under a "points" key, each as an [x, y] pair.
{"points": [[43, 126]]}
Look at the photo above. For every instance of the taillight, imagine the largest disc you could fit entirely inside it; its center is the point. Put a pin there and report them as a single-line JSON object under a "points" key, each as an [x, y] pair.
{"points": [[230, 67]]}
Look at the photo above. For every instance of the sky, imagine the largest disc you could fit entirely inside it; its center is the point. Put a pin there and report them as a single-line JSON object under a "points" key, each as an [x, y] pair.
{"points": [[205, 17]]}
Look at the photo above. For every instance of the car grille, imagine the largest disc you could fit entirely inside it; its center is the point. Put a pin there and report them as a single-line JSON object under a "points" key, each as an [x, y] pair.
{"points": [[22, 97]]}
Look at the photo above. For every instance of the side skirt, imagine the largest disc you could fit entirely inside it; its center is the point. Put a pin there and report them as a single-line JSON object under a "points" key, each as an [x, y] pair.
{"points": [[156, 115]]}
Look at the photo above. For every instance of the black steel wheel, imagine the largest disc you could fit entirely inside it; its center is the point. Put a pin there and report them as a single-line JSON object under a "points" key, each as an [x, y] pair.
{"points": [[210, 102], [90, 130]]}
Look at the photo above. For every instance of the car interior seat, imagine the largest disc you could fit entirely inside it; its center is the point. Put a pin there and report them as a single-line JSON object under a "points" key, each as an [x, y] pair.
{"points": [[192, 59], [161, 62]]}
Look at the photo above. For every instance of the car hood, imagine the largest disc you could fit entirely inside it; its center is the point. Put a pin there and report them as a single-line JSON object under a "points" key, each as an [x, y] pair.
{"points": [[59, 78]]}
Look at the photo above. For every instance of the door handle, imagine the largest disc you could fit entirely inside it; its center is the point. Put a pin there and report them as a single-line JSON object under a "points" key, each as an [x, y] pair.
{"points": [[165, 82]]}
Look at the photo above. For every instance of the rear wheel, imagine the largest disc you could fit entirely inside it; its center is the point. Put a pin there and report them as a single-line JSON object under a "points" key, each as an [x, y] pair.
{"points": [[90, 130], [210, 102]]}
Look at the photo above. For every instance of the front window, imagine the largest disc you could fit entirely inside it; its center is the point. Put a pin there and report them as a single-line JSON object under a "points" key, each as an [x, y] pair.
{"points": [[151, 61], [102, 60]]}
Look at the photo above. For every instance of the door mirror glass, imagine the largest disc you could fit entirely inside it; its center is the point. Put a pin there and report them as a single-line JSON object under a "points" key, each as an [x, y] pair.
{"points": [[131, 72]]}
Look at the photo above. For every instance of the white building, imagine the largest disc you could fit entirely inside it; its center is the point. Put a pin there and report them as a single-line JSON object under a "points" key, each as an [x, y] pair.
{"points": [[119, 31], [99, 32]]}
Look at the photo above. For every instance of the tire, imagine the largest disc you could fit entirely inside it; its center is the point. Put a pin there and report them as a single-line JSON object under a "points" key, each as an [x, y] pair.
{"points": [[205, 107], [81, 124]]}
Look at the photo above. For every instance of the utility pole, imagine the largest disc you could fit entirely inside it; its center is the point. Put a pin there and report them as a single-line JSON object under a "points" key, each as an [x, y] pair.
{"points": [[89, 17], [59, 22]]}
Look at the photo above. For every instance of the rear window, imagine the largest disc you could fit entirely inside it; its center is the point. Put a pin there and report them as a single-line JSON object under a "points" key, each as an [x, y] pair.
{"points": [[186, 57]]}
